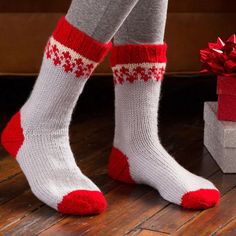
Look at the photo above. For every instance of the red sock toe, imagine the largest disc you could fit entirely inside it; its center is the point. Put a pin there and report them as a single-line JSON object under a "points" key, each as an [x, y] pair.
{"points": [[200, 199], [83, 202]]}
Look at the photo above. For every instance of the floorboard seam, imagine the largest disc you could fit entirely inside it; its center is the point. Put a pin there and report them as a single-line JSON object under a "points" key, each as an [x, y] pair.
{"points": [[223, 225], [22, 217], [187, 222], [138, 226], [10, 177]]}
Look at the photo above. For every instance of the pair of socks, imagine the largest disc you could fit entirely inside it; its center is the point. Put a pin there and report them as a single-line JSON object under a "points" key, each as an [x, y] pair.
{"points": [[37, 136]]}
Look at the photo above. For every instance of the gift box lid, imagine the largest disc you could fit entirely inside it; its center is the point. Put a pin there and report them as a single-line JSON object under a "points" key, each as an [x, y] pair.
{"points": [[226, 85], [225, 130]]}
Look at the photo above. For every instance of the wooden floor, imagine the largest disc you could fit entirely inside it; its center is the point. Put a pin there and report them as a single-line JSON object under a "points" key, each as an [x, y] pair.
{"points": [[132, 210]]}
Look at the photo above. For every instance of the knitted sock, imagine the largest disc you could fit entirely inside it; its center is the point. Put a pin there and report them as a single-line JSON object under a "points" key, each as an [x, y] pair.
{"points": [[37, 135], [137, 155]]}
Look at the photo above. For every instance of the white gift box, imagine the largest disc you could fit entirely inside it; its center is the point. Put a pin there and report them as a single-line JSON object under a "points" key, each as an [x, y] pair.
{"points": [[220, 138]]}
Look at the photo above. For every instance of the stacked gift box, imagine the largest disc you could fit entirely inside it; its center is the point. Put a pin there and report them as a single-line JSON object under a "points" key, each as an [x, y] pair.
{"points": [[220, 117], [220, 138]]}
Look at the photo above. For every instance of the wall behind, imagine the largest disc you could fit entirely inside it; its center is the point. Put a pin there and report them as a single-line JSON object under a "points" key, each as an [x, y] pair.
{"points": [[25, 26]]}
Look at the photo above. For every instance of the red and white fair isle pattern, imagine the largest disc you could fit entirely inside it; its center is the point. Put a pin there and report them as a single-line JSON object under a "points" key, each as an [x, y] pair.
{"points": [[68, 59], [134, 72]]}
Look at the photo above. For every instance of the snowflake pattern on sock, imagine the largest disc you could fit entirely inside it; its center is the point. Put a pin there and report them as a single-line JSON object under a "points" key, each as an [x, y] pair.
{"points": [[134, 72], [71, 61]]}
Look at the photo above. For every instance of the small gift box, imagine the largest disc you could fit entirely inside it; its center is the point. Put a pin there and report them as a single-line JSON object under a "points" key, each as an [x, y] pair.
{"points": [[220, 138], [226, 90], [220, 58]]}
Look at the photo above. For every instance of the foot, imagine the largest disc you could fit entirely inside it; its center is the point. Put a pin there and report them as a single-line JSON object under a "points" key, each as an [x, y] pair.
{"points": [[137, 155], [37, 135]]}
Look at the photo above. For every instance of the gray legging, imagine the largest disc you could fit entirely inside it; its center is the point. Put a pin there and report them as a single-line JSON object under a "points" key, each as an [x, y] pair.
{"points": [[126, 21]]}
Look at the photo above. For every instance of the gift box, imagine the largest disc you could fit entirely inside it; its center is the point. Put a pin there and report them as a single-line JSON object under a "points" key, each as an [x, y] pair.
{"points": [[226, 90], [220, 58], [220, 138]]}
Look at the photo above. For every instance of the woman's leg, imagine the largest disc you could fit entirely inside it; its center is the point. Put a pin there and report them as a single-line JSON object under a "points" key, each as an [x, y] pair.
{"points": [[100, 19], [37, 135], [144, 25], [138, 62]]}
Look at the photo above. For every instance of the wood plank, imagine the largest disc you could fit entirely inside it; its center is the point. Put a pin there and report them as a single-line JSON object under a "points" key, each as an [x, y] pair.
{"points": [[125, 227], [83, 127], [145, 232], [94, 161], [145, 206], [208, 221], [53, 6], [186, 6], [211, 166], [125, 204], [198, 161], [192, 24], [169, 219], [18, 207], [32, 224], [77, 222], [173, 217], [228, 229], [33, 220], [13, 187], [41, 6], [93, 143], [99, 176], [8, 166]]}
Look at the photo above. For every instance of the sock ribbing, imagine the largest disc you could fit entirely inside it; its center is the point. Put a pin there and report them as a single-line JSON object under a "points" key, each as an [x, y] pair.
{"points": [[138, 63], [73, 38], [135, 53]]}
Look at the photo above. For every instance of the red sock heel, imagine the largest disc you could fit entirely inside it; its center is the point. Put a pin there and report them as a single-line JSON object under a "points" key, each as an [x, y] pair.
{"points": [[118, 167], [12, 135]]}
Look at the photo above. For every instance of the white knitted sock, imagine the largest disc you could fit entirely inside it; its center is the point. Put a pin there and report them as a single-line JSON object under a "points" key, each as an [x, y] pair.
{"points": [[137, 155], [37, 135]]}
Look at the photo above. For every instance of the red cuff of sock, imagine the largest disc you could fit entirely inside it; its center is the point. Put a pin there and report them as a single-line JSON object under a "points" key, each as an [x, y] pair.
{"points": [[138, 53], [73, 38]]}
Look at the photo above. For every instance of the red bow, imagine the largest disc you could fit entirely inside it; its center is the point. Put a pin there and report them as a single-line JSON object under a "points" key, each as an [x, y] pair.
{"points": [[220, 57]]}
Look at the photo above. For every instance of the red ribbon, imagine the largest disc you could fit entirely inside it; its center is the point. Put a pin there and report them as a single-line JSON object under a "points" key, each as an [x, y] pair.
{"points": [[220, 57]]}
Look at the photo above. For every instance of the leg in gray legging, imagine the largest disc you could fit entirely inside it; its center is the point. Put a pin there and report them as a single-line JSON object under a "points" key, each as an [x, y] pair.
{"points": [[145, 24], [100, 19]]}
